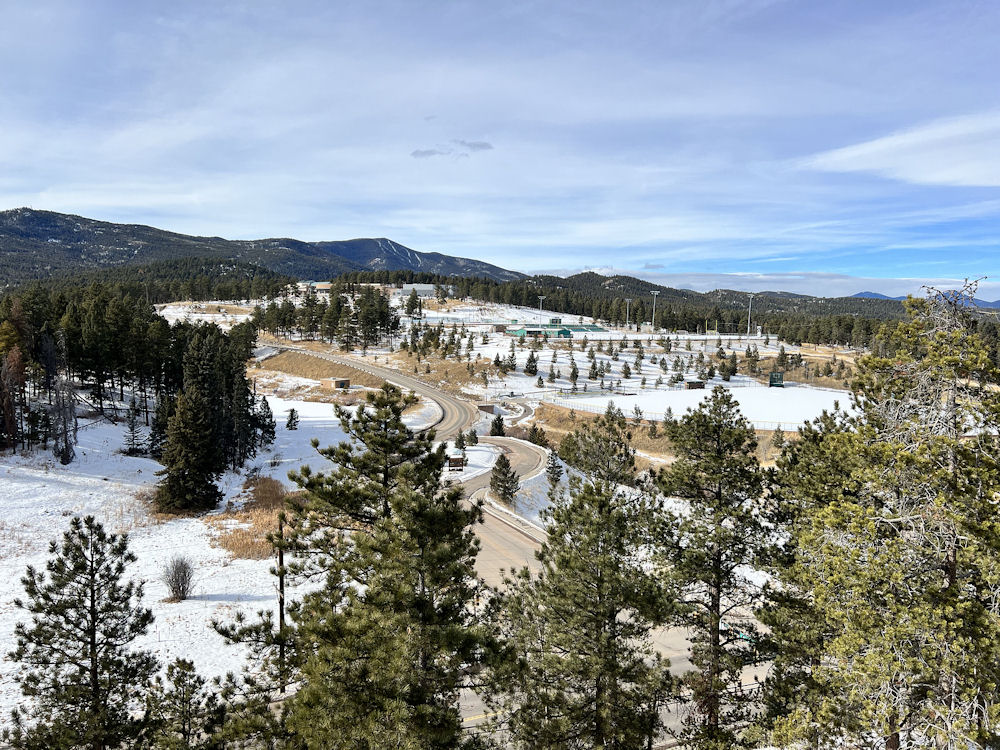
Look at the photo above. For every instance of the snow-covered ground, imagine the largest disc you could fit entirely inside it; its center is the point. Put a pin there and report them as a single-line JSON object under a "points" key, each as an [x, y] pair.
{"points": [[223, 314], [765, 408], [38, 497]]}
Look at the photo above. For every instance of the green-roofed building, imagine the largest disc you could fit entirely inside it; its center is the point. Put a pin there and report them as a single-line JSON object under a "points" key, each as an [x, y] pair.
{"points": [[553, 330]]}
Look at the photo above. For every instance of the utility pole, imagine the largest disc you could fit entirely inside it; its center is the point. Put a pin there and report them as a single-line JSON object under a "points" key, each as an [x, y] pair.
{"points": [[749, 310], [540, 298], [655, 292], [628, 301]]}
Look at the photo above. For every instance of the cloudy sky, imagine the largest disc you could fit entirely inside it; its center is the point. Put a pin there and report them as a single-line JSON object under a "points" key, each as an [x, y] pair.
{"points": [[825, 147]]}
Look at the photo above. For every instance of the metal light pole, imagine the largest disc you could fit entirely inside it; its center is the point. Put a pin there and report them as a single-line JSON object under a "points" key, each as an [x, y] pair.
{"points": [[655, 292], [749, 310], [628, 301], [540, 298]]}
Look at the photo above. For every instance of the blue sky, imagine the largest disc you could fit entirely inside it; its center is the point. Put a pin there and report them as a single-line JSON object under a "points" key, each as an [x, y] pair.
{"points": [[823, 147]]}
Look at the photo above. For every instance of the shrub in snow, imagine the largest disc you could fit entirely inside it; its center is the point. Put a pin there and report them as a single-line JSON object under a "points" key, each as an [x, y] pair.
{"points": [[178, 575]]}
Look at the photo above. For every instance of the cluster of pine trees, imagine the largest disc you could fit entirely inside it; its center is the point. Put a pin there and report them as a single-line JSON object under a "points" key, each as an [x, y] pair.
{"points": [[212, 423], [846, 599], [356, 316], [181, 388]]}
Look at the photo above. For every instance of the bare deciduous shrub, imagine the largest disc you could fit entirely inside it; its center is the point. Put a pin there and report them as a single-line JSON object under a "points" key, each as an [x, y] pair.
{"points": [[178, 575]]}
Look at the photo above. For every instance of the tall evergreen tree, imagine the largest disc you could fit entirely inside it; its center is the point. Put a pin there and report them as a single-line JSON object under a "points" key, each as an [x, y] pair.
{"points": [[359, 489], [602, 449], [554, 473], [504, 481], [263, 420], [165, 406], [725, 529], [578, 667], [84, 682], [900, 566], [385, 641], [134, 443], [496, 426], [190, 471], [412, 302]]}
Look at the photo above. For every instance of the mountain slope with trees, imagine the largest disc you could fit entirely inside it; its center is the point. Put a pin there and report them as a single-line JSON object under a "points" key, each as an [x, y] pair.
{"points": [[40, 244]]}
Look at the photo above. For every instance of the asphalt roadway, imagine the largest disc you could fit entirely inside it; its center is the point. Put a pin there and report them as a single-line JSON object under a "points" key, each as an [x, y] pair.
{"points": [[505, 541]]}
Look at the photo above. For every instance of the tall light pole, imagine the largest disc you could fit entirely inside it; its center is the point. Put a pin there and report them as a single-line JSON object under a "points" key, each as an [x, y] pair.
{"points": [[628, 301], [655, 292], [540, 298], [749, 310]]}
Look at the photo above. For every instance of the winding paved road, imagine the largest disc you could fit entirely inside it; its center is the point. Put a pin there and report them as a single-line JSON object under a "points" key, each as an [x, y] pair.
{"points": [[506, 541]]}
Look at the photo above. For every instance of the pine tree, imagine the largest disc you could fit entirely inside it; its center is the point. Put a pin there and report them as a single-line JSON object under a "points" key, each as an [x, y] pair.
{"points": [[812, 471], [292, 423], [165, 406], [460, 441], [724, 529], [473, 438], [412, 302], [83, 681], [602, 449], [368, 468], [554, 473], [263, 419], [134, 444], [537, 436], [504, 481], [186, 713], [579, 668], [898, 563], [496, 426], [347, 328], [531, 365], [63, 414], [189, 472], [383, 645]]}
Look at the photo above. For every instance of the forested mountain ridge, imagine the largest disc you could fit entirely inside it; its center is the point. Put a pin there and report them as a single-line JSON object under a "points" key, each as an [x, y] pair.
{"points": [[39, 244], [608, 287]]}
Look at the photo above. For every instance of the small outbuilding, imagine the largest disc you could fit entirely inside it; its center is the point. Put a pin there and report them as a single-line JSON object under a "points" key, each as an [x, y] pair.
{"points": [[336, 383], [694, 385]]}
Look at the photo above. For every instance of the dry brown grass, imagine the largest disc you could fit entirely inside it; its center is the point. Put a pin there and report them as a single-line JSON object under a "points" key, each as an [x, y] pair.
{"points": [[306, 366], [234, 309], [243, 532], [815, 362], [558, 421], [447, 374]]}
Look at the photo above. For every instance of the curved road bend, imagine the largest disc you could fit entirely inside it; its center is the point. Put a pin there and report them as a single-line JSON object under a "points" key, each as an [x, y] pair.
{"points": [[505, 542]]}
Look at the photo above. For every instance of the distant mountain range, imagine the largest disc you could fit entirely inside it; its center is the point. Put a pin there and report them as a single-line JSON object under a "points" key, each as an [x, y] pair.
{"points": [[875, 295], [39, 244]]}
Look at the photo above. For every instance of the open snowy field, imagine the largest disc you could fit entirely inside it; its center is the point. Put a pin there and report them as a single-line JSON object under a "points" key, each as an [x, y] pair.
{"points": [[38, 497], [765, 408], [223, 314]]}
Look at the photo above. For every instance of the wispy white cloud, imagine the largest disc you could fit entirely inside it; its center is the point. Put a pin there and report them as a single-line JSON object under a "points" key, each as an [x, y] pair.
{"points": [[657, 134], [961, 151]]}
